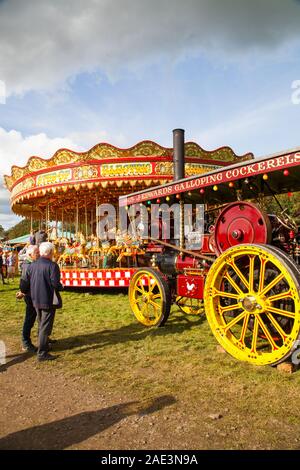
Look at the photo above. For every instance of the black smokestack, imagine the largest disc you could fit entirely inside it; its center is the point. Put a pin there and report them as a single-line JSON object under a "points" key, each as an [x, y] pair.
{"points": [[178, 155]]}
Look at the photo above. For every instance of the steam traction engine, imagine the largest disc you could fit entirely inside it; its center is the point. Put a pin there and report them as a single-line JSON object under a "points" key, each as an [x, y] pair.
{"points": [[246, 275]]}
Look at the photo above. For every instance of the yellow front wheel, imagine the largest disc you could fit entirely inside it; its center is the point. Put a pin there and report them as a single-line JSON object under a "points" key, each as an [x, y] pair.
{"points": [[149, 297], [252, 303]]}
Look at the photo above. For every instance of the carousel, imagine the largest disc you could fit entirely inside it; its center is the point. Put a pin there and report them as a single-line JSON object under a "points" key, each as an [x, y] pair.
{"points": [[63, 194]]}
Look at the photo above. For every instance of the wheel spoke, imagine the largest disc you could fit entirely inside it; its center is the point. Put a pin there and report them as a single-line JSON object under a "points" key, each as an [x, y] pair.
{"points": [[233, 283], [157, 306], [263, 263], [156, 296], [267, 333], [279, 311], [151, 284], [136, 301], [228, 308], [283, 295], [239, 273], [272, 283], [244, 329], [251, 272], [228, 295], [234, 321], [254, 336], [277, 326], [144, 307], [140, 282], [137, 288]]}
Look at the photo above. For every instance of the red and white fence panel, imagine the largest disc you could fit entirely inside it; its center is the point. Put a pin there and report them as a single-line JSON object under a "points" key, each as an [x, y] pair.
{"points": [[97, 277]]}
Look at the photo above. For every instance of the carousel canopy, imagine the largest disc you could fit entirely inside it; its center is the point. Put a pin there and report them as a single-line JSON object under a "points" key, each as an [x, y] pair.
{"points": [[75, 181]]}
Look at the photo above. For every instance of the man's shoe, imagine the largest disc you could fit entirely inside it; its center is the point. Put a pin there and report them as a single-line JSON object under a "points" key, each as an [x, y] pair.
{"points": [[29, 348], [47, 357]]}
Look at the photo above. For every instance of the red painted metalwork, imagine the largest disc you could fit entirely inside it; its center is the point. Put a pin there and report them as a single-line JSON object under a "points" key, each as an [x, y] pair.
{"points": [[185, 262], [241, 222], [190, 286], [208, 244]]}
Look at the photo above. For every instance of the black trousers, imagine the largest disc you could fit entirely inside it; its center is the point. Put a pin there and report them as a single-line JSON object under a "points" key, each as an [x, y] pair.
{"points": [[46, 320], [30, 316], [2, 274]]}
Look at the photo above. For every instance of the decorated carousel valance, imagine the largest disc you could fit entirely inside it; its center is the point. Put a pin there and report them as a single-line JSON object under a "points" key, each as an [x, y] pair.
{"points": [[70, 178]]}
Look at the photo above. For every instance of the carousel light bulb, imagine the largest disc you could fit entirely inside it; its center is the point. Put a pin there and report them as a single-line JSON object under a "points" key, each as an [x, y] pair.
{"points": [[189, 193], [231, 184], [177, 196], [286, 173], [202, 191], [246, 181], [158, 201], [167, 198], [126, 207], [215, 188], [265, 177], [289, 194], [148, 202]]}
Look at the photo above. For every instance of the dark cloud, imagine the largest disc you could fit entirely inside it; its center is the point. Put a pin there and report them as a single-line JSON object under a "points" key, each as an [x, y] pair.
{"points": [[43, 43]]}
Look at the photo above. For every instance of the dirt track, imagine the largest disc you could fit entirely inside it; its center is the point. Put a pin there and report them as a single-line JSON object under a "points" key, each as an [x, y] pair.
{"points": [[41, 409]]}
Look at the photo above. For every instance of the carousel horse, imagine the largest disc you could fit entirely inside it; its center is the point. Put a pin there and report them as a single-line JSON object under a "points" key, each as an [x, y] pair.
{"points": [[130, 248], [67, 256], [75, 254], [80, 254], [95, 252]]}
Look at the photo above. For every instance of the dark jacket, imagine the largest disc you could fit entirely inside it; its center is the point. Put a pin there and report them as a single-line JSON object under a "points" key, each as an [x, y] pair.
{"points": [[25, 266], [41, 281]]}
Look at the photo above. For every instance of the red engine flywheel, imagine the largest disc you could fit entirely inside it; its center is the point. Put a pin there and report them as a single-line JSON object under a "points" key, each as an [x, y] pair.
{"points": [[241, 222]]}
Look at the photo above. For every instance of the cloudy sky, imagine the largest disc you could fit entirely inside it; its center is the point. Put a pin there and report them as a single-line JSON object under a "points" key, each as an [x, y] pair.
{"points": [[80, 72]]}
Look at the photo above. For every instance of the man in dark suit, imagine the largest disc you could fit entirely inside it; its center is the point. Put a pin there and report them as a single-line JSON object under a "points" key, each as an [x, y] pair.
{"points": [[43, 282], [32, 254]]}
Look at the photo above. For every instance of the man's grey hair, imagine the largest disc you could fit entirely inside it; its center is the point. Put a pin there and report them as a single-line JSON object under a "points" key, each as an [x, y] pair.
{"points": [[46, 248], [31, 249]]}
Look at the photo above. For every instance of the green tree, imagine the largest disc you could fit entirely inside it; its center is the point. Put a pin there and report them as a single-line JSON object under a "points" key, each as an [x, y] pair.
{"points": [[20, 229]]}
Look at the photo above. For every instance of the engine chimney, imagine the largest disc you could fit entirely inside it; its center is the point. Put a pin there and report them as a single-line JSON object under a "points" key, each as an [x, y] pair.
{"points": [[178, 155]]}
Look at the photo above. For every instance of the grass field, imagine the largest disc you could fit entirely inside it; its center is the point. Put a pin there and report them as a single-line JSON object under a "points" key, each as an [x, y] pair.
{"points": [[99, 340]]}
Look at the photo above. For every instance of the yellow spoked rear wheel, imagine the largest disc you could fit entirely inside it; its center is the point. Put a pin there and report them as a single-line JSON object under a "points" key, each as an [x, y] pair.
{"points": [[190, 306], [149, 297], [252, 303]]}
